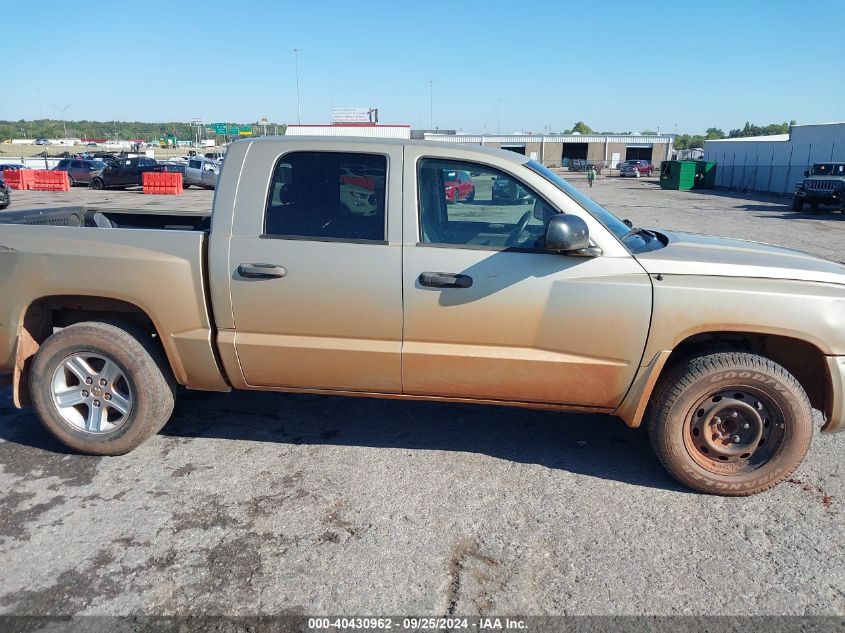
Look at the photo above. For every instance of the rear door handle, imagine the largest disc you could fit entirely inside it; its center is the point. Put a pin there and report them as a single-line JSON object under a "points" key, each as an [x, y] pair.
{"points": [[445, 280], [262, 271]]}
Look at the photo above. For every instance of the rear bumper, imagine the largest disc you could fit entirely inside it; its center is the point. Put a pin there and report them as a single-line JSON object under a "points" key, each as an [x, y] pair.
{"points": [[836, 419]]}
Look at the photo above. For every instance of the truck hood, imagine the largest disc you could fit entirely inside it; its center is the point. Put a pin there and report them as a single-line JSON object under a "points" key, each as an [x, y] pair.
{"points": [[692, 254]]}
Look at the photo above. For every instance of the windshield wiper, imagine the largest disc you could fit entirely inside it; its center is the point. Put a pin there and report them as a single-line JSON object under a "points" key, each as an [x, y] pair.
{"points": [[638, 231]]}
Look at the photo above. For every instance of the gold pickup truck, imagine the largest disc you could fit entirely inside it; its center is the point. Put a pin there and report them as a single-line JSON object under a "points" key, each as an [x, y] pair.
{"points": [[359, 267]]}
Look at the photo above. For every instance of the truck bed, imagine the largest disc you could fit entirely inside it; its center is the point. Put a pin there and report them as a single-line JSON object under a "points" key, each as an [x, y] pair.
{"points": [[149, 262], [163, 219]]}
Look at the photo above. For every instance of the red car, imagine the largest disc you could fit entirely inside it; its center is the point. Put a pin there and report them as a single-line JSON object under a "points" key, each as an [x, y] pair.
{"points": [[643, 166], [459, 186]]}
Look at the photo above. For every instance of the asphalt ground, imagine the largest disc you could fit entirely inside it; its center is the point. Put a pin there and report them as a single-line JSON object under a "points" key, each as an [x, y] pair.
{"points": [[254, 503]]}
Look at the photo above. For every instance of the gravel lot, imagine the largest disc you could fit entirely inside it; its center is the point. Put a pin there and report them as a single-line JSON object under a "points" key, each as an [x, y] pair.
{"points": [[264, 503]]}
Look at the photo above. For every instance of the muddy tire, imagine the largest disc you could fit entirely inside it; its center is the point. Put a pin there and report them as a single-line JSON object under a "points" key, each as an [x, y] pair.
{"points": [[101, 388], [797, 204], [731, 424]]}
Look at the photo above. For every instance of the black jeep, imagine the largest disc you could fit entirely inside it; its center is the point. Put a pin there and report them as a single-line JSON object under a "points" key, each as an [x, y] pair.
{"points": [[823, 184]]}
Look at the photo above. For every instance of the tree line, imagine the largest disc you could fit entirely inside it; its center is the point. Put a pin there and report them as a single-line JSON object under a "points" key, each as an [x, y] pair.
{"points": [[112, 130]]}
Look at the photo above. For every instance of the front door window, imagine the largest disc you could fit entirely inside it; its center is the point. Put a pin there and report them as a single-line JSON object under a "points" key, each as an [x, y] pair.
{"points": [[476, 206]]}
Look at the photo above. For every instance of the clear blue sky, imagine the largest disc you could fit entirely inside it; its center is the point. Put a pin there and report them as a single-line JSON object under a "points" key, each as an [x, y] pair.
{"points": [[616, 65]]}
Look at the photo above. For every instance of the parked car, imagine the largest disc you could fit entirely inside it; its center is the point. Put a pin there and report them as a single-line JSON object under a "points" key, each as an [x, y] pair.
{"points": [[11, 166], [824, 183], [124, 173], [5, 193], [200, 171], [509, 190], [458, 185], [215, 155], [629, 169], [172, 166], [42, 141], [643, 167], [80, 171], [726, 346]]}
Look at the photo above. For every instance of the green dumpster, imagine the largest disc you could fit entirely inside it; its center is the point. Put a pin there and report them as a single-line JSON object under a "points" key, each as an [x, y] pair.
{"points": [[677, 174], [705, 174]]}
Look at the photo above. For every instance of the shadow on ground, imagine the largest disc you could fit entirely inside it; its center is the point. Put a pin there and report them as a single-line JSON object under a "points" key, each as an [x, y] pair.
{"points": [[589, 444]]}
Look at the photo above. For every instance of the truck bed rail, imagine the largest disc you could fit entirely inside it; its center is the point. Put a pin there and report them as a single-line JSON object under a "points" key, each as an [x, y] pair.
{"points": [[111, 218]]}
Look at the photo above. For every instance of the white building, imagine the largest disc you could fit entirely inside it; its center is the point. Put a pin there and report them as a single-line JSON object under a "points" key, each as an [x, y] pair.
{"points": [[556, 150], [351, 129], [775, 163]]}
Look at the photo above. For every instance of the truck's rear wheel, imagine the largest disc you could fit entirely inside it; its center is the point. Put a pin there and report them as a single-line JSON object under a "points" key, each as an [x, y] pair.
{"points": [[730, 423], [101, 388]]}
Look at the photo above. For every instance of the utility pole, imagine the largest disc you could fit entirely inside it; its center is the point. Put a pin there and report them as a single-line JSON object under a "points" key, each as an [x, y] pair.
{"points": [[62, 112], [298, 106], [431, 103]]}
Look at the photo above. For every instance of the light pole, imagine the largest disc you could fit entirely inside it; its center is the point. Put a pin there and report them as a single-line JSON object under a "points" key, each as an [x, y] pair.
{"points": [[298, 107], [498, 110], [431, 103], [62, 111]]}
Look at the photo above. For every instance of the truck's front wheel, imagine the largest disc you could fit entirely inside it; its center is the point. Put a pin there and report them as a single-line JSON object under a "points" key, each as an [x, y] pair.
{"points": [[730, 423], [797, 203], [101, 388]]}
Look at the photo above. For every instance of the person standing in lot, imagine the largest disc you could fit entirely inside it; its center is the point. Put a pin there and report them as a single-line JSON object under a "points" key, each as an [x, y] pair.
{"points": [[591, 175]]}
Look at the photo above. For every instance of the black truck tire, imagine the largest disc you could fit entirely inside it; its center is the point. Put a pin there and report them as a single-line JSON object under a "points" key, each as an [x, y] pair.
{"points": [[797, 203], [731, 424], [102, 388]]}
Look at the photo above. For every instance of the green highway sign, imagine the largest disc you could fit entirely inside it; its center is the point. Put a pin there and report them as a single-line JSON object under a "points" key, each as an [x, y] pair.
{"points": [[219, 128], [234, 130]]}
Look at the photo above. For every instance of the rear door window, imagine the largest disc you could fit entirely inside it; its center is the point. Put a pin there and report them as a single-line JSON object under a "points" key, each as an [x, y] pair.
{"points": [[333, 196]]}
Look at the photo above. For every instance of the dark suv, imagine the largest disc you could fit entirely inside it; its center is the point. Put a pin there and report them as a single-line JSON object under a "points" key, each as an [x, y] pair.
{"points": [[126, 172], [824, 183], [80, 171]]}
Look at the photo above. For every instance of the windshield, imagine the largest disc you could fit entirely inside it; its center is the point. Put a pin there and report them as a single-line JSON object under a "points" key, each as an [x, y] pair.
{"points": [[610, 221], [636, 240], [828, 169]]}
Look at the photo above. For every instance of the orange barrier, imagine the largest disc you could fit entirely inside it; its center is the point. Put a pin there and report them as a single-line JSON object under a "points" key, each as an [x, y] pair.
{"points": [[44, 180], [162, 182], [19, 178]]}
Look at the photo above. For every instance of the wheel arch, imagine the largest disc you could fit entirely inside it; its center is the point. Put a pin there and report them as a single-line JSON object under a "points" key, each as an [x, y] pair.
{"points": [[799, 357], [43, 315]]}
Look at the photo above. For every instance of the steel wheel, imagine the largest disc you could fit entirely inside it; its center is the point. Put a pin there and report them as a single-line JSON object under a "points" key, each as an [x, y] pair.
{"points": [[91, 393], [734, 431]]}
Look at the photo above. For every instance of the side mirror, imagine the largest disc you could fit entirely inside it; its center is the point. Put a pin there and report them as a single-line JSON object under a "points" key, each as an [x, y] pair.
{"points": [[566, 233], [806, 173]]}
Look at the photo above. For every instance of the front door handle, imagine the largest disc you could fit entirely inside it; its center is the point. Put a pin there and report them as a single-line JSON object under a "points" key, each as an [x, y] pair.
{"points": [[445, 280], [262, 271]]}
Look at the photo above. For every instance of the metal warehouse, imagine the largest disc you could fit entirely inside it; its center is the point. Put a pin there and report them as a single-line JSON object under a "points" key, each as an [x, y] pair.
{"points": [[775, 163], [556, 150]]}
